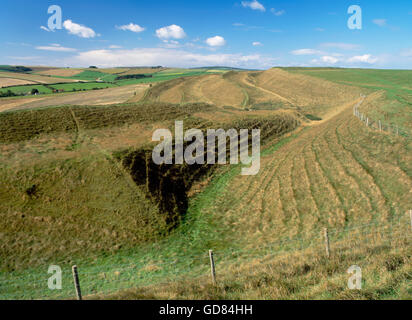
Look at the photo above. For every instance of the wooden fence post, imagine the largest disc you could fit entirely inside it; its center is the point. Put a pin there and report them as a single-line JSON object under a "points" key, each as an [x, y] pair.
{"points": [[212, 266], [327, 245], [367, 121], [380, 126], [76, 283]]}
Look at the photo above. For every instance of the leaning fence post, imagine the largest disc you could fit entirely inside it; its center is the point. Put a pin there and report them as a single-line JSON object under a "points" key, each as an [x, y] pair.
{"points": [[76, 283], [327, 245], [212, 266]]}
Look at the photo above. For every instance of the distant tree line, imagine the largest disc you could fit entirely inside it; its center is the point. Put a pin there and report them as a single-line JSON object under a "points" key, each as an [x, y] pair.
{"points": [[19, 69], [8, 93], [133, 76]]}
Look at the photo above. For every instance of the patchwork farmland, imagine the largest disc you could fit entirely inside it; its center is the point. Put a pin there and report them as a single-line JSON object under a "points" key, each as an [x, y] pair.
{"points": [[65, 170]]}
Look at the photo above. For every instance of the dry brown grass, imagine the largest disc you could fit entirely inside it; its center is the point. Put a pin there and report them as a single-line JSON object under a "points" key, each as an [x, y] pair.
{"points": [[302, 274], [33, 77], [140, 71], [95, 97], [313, 93], [61, 72], [272, 89], [7, 82]]}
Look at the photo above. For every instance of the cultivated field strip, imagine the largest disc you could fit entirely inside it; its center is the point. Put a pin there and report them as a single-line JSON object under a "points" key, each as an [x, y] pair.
{"points": [[329, 176]]}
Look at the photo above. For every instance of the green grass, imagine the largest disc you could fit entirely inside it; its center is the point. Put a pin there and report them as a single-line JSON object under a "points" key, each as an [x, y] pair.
{"points": [[197, 233], [82, 86], [89, 75], [27, 89]]}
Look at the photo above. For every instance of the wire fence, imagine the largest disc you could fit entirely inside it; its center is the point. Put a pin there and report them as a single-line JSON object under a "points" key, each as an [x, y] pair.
{"points": [[381, 126], [103, 280]]}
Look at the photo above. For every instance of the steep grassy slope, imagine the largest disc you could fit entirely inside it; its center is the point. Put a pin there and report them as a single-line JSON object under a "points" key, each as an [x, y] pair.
{"points": [[394, 87], [64, 195], [268, 90], [266, 230], [337, 174]]}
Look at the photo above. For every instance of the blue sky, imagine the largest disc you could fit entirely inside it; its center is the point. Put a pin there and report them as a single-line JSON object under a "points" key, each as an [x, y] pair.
{"points": [[181, 33]]}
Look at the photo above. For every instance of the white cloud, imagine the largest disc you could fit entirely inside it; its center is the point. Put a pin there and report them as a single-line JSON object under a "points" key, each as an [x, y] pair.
{"points": [[238, 24], [115, 47], [277, 13], [171, 44], [171, 32], [131, 27], [45, 29], [79, 30], [254, 5], [341, 45], [329, 59], [319, 29], [380, 22], [56, 48], [406, 53], [167, 57], [257, 44], [216, 41], [304, 52], [366, 58]]}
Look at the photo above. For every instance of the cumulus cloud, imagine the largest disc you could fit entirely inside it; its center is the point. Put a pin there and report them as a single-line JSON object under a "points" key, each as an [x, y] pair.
{"points": [[79, 30], [304, 52], [277, 12], [257, 44], [167, 57], [131, 27], [216, 41], [56, 48], [380, 22], [366, 58], [329, 59], [254, 5], [171, 32]]}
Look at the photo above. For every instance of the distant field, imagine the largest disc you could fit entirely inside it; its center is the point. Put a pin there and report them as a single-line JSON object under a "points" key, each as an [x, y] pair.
{"points": [[6, 82], [33, 77], [61, 72], [27, 89], [95, 78], [98, 97]]}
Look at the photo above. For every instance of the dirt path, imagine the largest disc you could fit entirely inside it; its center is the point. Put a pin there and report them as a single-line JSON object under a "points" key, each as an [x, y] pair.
{"points": [[248, 83]]}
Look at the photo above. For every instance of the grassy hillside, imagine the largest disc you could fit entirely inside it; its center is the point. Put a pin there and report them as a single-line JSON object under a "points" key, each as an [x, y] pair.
{"points": [[394, 87], [268, 90], [72, 192]]}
